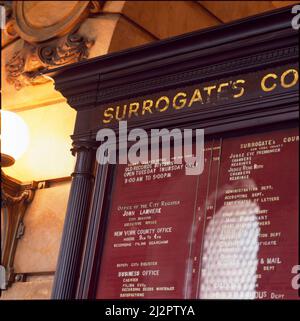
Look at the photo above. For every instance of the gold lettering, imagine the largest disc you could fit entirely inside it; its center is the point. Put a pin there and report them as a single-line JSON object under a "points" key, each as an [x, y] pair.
{"points": [[133, 108], [283, 82], [166, 99], [225, 84], [181, 101], [196, 97], [147, 105], [242, 89], [108, 115], [209, 89], [263, 82], [117, 112]]}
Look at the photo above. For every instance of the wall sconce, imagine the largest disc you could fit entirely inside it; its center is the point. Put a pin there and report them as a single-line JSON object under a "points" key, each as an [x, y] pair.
{"points": [[15, 196]]}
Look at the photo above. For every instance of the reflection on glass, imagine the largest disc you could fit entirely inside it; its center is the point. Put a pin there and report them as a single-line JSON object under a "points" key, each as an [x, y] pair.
{"points": [[230, 250]]}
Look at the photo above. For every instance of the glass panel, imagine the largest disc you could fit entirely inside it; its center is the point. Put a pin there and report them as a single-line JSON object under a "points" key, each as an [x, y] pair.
{"points": [[231, 232]]}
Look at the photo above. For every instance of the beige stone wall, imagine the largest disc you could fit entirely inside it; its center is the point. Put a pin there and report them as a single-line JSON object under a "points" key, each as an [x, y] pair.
{"points": [[119, 25], [38, 248], [37, 251], [36, 288]]}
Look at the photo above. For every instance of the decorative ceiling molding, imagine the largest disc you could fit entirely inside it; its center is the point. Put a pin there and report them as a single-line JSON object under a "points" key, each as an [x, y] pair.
{"points": [[38, 21], [9, 33], [49, 30], [25, 66]]}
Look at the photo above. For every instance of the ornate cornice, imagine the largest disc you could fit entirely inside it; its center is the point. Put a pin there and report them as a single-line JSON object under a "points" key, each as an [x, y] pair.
{"points": [[247, 46], [26, 65], [243, 64], [73, 48], [200, 74]]}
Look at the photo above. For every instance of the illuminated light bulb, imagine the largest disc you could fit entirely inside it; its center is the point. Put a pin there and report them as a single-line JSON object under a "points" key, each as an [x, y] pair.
{"points": [[14, 135]]}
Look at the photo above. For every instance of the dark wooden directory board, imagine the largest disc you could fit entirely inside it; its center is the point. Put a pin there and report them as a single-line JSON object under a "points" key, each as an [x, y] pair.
{"points": [[231, 232], [151, 231]]}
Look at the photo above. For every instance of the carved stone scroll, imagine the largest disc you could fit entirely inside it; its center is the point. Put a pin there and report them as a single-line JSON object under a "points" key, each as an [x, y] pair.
{"points": [[49, 30]]}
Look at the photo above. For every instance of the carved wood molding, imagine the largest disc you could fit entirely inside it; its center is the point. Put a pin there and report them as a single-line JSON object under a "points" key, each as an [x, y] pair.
{"points": [[117, 92], [15, 200]]}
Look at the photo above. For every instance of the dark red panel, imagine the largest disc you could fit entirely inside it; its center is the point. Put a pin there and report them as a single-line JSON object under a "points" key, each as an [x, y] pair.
{"points": [[152, 262], [231, 232], [251, 245]]}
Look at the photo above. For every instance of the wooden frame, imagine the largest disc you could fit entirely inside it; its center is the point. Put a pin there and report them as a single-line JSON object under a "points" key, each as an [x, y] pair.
{"points": [[247, 46]]}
